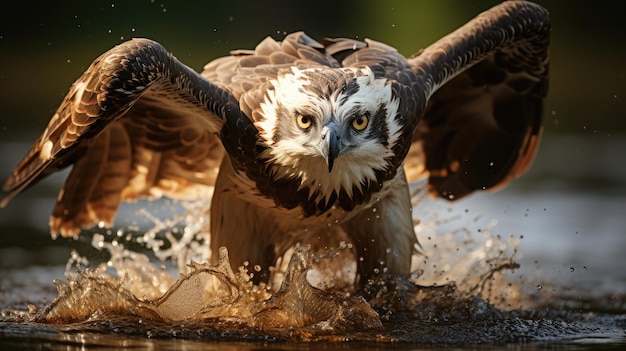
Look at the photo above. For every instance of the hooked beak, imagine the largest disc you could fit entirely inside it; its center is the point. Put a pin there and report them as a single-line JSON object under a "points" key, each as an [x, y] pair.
{"points": [[330, 143]]}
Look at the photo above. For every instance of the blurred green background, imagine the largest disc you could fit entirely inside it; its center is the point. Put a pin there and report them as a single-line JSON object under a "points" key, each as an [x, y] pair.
{"points": [[45, 46]]}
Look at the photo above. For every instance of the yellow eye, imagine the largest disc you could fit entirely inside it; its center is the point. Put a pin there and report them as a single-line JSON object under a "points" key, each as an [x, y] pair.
{"points": [[360, 123], [303, 121]]}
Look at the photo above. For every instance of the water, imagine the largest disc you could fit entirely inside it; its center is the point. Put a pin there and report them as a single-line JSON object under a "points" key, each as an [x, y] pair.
{"points": [[538, 265]]}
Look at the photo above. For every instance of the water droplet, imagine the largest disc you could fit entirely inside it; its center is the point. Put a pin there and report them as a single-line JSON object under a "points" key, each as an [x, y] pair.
{"points": [[539, 287], [571, 269]]}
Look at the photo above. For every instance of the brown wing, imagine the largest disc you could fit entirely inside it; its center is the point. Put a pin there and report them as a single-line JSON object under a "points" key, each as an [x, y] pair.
{"points": [[487, 83], [166, 144]]}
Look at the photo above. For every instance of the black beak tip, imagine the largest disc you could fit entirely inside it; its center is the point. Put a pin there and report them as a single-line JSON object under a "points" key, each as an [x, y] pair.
{"points": [[333, 153], [332, 138]]}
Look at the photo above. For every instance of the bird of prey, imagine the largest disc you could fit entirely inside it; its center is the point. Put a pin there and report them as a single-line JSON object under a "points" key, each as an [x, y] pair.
{"points": [[298, 140]]}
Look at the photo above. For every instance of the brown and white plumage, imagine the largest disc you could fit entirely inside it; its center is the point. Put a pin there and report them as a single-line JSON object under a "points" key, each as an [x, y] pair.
{"points": [[300, 139]]}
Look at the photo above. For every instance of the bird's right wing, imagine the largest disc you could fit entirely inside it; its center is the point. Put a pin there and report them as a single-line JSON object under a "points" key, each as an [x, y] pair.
{"points": [[138, 123], [486, 84]]}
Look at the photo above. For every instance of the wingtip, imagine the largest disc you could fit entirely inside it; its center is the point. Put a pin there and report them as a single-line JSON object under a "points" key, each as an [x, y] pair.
{"points": [[5, 201], [8, 197]]}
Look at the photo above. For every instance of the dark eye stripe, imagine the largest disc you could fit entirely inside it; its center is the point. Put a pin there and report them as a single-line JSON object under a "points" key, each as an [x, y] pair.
{"points": [[378, 126]]}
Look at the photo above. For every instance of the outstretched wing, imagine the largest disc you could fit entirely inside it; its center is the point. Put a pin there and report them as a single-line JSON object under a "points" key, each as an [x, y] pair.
{"points": [[487, 83], [166, 144]]}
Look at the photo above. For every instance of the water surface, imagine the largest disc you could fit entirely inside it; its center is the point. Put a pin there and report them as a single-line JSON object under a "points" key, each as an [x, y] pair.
{"points": [[568, 291]]}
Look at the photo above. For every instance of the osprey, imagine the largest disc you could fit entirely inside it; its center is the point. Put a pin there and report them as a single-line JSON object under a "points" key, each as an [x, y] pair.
{"points": [[300, 141]]}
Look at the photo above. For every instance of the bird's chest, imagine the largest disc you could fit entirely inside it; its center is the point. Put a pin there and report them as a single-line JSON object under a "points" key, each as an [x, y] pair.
{"points": [[299, 218]]}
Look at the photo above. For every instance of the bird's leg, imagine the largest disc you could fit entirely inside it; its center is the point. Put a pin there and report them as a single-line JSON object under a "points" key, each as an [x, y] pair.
{"points": [[383, 233], [242, 227]]}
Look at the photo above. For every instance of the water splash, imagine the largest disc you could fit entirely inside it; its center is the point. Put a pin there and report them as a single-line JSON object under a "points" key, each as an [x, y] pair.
{"points": [[214, 292], [460, 290], [454, 267]]}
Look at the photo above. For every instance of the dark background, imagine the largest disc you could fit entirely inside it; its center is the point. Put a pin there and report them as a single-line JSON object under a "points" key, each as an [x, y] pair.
{"points": [[45, 46]]}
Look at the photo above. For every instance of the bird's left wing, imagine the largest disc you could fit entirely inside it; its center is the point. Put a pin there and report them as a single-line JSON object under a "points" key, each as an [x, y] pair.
{"points": [[138, 123], [486, 85]]}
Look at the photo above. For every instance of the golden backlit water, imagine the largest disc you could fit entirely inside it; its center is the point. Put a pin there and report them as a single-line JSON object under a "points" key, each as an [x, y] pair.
{"points": [[473, 283]]}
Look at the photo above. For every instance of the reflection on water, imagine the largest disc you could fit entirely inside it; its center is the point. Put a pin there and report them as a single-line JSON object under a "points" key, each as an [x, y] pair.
{"points": [[467, 288]]}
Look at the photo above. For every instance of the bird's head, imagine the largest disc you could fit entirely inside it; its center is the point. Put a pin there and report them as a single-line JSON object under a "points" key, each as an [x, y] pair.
{"points": [[331, 128]]}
